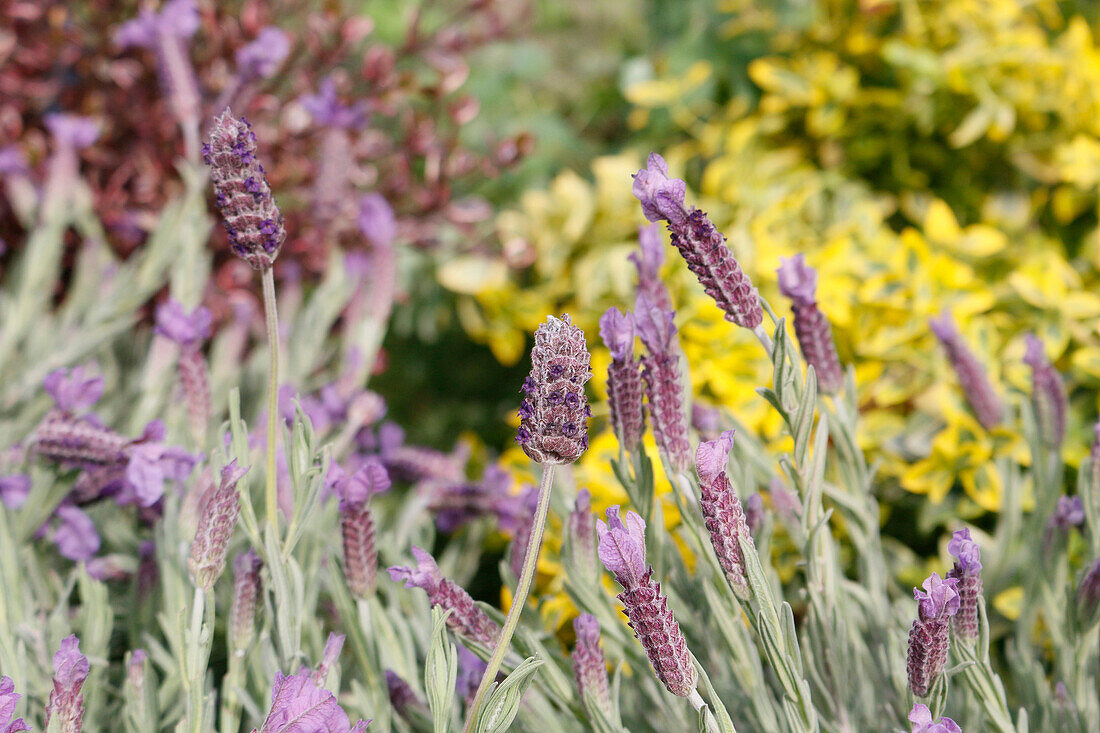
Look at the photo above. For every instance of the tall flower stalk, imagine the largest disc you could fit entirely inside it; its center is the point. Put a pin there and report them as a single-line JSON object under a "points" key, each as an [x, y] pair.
{"points": [[553, 431], [256, 233]]}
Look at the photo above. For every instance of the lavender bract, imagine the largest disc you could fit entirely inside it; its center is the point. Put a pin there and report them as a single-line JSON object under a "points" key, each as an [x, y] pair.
{"points": [[70, 669], [921, 718], [1048, 393], [929, 637], [661, 373], [8, 700], [467, 619], [967, 571], [624, 380], [589, 665], [300, 706], [554, 413], [798, 281], [262, 57], [722, 511], [246, 592], [216, 524], [249, 213], [972, 376], [702, 246], [357, 524]]}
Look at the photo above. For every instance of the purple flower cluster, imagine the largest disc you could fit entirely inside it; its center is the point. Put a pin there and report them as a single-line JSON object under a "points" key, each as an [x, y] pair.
{"points": [[356, 522], [554, 413], [929, 636], [299, 705], [217, 521], [722, 511], [251, 218], [968, 572], [624, 379], [622, 551], [661, 373], [798, 281], [972, 376], [467, 618], [8, 700], [246, 593], [70, 669], [700, 243], [1048, 393], [589, 665]]}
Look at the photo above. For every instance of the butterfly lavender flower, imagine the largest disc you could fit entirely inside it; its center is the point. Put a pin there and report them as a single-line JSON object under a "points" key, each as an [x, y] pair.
{"points": [[929, 637], [624, 378], [70, 669], [648, 261], [356, 522], [700, 243], [622, 551], [467, 618], [798, 281], [1048, 393], [261, 57], [246, 592], [8, 700], [921, 718], [722, 511], [216, 524], [661, 373], [582, 536], [589, 665], [188, 331], [972, 376], [968, 572], [298, 705]]}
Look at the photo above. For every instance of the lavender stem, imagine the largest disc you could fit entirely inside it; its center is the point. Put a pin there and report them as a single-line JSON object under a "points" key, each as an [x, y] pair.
{"points": [[272, 318], [519, 599], [696, 701]]}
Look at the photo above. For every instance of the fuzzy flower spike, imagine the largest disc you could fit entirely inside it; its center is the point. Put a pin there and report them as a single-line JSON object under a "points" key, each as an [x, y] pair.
{"points": [[700, 243], [722, 511], [661, 373], [971, 374], [1048, 393], [249, 213], [798, 281], [622, 551], [968, 571], [467, 618], [624, 378], [929, 638], [299, 705], [70, 669]]}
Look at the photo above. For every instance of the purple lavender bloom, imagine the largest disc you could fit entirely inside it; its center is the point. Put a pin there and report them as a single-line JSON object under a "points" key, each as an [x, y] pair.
{"points": [[1048, 393], [14, 490], [262, 57], [74, 390], [216, 524], [661, 373], [8, 700], [246, 591], [13, 161], [648, 260], [702, 246], [329, 657], [722, 511], [972, 376], [554, 412], [967, 571], [300, 706], [328, 111], [151, 464], [76, 536], [929, 637], [589, 665], [357, 524], [798, 281], [188, 330], [624, 380], [72, 131], [622, 551], [1088, 595], [921, 718], [70, 669], [249, 213], [467, 619], [179, 18], [1070, 512], [706, 420], [376, 220]]}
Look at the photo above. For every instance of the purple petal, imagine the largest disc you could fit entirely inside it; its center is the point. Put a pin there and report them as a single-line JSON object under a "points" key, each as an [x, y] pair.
{"points": [[140, 32], [14, 490], [940, 597], [179, 18], [622, 546], [712, 457], [662, 197], [797, 280], [70, 667], [76, 536], [655, 326], [966, 551], [186, 329], [72, 131], [300, 706], [617, 332], [73, 389], [261, 58]]}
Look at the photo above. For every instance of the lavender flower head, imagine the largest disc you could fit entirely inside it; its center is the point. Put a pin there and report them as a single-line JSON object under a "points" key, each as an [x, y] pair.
{"points": [[376, 220], [467, 618], [298, 705], [251, 218], [622, 551], [188, 330], [8, 700], [798, 281], [722, 511], [356, 522], [971, 374], [1048, 393], [929, 637], [624, 380], [702, 246], [262, 57], [661, 373], [1070, 512], [921, 718], [967, 571], [246, 592], [74, 390], [216, 524], [328, 111], [589, 665], [648, 260], [70, 669], [554, 412]]}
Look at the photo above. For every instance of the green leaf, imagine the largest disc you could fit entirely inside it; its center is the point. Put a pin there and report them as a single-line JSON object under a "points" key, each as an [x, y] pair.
{"points": [[440, 673], [503, 704]]}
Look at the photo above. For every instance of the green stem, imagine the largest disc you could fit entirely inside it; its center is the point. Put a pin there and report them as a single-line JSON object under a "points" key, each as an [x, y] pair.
{"points": [[272, 318], [519, 600]]}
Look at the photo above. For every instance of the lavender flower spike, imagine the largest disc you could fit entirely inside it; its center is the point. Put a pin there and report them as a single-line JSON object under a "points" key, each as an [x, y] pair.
{"points": [[8, 700], [1088, 596], [216, 525], [701, 244], [929, 637], [189, 330], [798, 281], [1048, 393], [921, 718], [648, 260], [246, 592], [70, 669], [554, 413], [624, 380], [972, 376], [589, 665], [298, 705], [622, 551], [661, 372], [467, 619], [249, 214], [357, 524], [263, 56], [722, 511], [967, 570]]}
